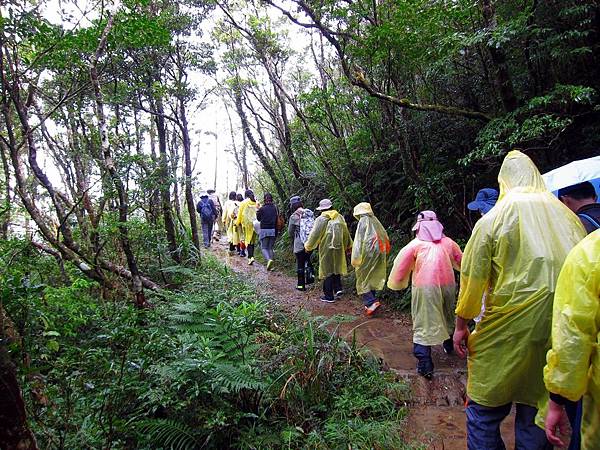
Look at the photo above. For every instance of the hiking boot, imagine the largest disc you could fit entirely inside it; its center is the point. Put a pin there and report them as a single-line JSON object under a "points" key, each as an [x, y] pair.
{"points": [[448, 346], [251, 261], [370, 310], [270, 264], [339, 294], [243, 254], [326, 299], [301, 288]]}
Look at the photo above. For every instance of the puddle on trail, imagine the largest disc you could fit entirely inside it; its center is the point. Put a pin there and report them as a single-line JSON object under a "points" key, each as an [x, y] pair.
{"points": [[436, 412]]}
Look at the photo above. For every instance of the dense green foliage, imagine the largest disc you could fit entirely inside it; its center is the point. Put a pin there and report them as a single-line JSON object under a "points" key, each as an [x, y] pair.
{"points": [[408, 104], [415, 102], [211, 366]]}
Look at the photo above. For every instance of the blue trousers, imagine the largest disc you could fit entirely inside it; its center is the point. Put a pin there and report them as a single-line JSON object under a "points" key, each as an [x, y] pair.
{"points": [[207, 229], [423, 355], [483, 428], [368, 298]]}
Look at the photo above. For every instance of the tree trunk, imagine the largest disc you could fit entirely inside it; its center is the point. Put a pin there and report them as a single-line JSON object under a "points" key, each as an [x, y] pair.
{"points": [[503, 80], [255, 147], [189, 196], [165, 180], [14, 432], [136, 282]]}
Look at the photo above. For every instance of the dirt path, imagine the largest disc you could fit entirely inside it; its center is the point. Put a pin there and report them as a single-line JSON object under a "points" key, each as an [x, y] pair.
{"points": [[436, 412]]}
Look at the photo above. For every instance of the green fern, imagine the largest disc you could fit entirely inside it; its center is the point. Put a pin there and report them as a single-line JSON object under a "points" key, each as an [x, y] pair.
{"points": [[168, 434], [230, 378]]}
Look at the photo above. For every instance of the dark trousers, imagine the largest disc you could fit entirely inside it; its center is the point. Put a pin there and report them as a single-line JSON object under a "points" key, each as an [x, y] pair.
{"points": [[483, 428], [368, 298], [304, 268], [331, 285], [250, 248], [423, 355], [574, 411], [207, 229]]}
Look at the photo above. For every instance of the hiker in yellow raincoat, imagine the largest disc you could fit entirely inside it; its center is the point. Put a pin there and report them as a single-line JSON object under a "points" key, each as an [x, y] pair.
{"points": [[369, 256], [245, 220], [330, 233], [514, 254], [573, 362], [229, 215], [431, 257]]}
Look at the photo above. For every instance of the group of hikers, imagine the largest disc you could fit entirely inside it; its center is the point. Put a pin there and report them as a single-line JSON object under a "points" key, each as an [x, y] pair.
{"points": [[528, 311]]}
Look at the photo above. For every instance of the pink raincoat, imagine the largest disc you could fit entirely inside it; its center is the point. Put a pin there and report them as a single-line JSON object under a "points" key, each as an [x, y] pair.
{"points": [[433, 286]]}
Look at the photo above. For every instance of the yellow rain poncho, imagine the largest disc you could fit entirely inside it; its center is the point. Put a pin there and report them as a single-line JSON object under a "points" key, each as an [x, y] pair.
{"points": [[369, 251], [245, 220], [516, 251], [573, 368], [330, 233], [433, 286], [230, 211]]}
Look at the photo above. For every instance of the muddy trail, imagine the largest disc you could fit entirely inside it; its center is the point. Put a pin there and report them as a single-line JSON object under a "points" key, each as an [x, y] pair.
{"points": [[436, 412]]}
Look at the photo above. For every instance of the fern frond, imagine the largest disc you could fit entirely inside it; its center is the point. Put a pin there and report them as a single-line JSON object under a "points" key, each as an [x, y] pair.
{"points": [[168, 433], [231, 378]]}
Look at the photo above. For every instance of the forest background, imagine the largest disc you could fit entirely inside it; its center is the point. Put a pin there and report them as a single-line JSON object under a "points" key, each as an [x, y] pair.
{"points": [[407, 104]]}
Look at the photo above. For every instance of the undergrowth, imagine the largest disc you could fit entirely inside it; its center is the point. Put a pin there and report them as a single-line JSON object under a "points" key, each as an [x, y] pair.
{"points": [[210, 366]]}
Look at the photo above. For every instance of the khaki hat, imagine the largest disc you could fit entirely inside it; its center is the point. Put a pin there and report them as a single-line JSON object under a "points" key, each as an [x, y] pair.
{"points": [[324, 204]]}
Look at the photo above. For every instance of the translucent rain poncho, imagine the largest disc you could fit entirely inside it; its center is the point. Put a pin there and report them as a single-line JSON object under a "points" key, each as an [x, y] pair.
{"points": [[516, 250], [433, 286], [330, 233], [573, 368], [369, 251], [230, 211], [245, 219]]}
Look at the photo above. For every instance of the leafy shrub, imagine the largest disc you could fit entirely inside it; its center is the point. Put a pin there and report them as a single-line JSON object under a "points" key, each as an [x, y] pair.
{"points": [[210, 366]]}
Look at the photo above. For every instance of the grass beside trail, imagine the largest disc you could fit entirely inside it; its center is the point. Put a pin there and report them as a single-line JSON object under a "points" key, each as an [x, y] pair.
{"points": [[211, 366]]}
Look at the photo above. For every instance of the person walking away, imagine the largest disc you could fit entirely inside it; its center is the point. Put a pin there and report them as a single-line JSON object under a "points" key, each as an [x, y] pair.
{"points": [[267, 216], [208, 212], [300, 225], [246, 218], [330, 234], [484, 201], [229, 213], [369, 256], [218, 224], [241, 247], [515, 254], [582, 200], [572, 371], [431, 258]]}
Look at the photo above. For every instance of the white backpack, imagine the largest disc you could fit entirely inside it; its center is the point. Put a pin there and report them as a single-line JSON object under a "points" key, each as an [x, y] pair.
{"points": [[307, 221]]}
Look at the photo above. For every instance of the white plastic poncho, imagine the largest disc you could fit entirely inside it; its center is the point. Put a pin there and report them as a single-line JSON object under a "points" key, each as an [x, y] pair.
{"points": [[369, 251]]}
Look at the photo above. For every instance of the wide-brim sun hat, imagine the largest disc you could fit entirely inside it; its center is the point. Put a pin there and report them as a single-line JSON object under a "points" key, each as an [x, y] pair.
{"points": [[324, 204], [428, 227], [361, 209]]}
